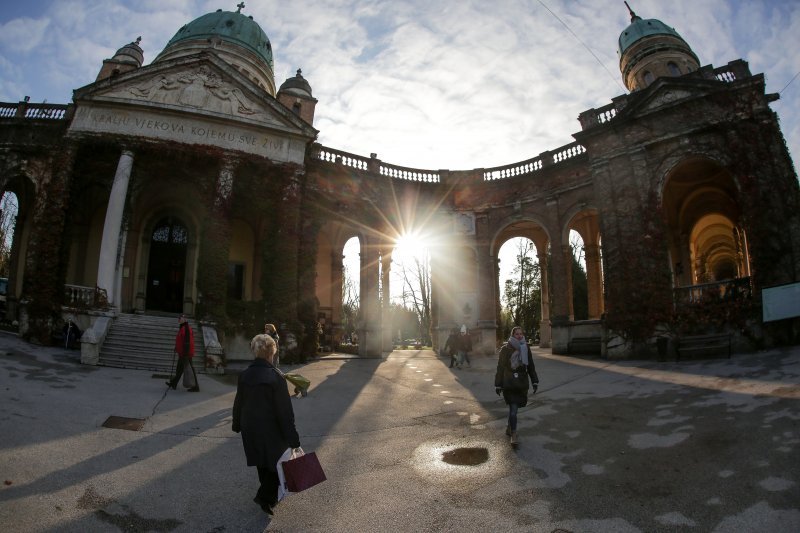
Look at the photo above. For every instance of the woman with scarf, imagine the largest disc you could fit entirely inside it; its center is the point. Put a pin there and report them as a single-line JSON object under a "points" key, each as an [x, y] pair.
{"points": [[514, 367]]}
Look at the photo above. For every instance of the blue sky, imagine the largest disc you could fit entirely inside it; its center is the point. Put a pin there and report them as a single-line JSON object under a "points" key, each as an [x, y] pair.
{"points": [[453, 84]]}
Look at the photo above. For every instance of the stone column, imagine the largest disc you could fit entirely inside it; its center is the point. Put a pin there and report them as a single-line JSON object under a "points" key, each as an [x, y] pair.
{"points": [[568, 259], [213, 249], [369, 334], [15, 269], [487, 307], [594, 280], [545, 334], [107, 265], [386, 300], [561, 305], [337, 280]]}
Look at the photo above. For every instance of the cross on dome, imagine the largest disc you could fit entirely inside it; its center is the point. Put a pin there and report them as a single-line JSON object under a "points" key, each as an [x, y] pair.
{"points": [[240, 5]]}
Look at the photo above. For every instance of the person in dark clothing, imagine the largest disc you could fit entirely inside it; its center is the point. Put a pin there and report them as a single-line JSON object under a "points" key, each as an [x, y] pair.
{"points": [[514, 368], [463, 347], [270, 330], [184, 348], [262, 412], [450, 346]]}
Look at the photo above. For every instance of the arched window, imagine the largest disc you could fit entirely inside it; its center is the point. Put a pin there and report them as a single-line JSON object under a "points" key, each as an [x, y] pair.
{"points": [[673, 69], [648, 77], [296, 108]]}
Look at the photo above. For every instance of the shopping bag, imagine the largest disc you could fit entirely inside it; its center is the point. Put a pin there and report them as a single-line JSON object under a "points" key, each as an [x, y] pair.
{"points": [[300, 383], [303, 472], [189, 379]]}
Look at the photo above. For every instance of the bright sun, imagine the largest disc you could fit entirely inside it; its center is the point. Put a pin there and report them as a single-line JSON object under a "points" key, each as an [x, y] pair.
{"points": [[408, 246]]}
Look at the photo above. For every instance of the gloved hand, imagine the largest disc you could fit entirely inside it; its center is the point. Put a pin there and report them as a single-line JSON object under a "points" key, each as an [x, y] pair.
{"points": [[498, 390], [534, 388]]}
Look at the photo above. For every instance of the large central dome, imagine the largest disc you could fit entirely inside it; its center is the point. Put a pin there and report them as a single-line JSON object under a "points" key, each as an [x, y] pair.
{"points": [[236, 37]]}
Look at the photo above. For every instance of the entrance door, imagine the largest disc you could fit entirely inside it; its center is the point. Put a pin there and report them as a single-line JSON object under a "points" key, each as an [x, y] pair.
{"points": [[167, 266]]}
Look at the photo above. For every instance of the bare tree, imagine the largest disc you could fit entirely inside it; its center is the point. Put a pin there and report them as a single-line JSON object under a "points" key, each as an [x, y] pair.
{"points": [[416, 293], [8, 216]]}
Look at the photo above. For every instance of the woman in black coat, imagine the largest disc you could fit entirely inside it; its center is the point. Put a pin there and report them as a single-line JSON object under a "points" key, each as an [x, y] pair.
{"points": [[262, 412], [514, 368]]}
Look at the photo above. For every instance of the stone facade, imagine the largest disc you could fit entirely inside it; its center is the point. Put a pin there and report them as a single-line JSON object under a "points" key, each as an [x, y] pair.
{"points": [[184, 186]]}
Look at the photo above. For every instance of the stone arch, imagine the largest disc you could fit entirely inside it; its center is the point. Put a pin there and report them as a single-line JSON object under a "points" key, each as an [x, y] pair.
{"points": [[530, 227], [585, 220], [705, 237], [16, 180]]}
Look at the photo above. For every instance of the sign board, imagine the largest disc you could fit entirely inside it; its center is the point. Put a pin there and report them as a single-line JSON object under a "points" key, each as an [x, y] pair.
{"points": [[781, 301]]}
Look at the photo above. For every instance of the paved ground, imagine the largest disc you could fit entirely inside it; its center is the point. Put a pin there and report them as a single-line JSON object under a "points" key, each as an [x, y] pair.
{"points": [[605, 446]]}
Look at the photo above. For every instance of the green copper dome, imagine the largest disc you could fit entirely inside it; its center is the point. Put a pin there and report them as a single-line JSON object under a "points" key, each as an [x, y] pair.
{"points": [[229, 26], [641, 28]]}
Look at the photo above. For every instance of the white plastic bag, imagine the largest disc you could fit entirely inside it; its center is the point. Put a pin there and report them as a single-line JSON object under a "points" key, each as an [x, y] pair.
{"points": [[288, 455]]}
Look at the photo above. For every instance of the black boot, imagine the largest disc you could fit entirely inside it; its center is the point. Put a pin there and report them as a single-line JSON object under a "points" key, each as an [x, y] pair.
{"points": [[171, 385]]}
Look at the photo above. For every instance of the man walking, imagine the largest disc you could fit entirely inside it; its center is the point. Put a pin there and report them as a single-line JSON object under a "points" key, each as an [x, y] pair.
{"points": [[184, 347]]}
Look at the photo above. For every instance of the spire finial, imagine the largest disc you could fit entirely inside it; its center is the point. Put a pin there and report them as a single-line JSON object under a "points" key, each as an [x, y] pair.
{"points": [[138, 40], [633, 14], [299, 73], [240, 5]]}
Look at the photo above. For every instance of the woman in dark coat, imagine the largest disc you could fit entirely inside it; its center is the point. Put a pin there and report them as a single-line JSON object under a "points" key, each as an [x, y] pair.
{"points": [[514, 367], [262, 412]]}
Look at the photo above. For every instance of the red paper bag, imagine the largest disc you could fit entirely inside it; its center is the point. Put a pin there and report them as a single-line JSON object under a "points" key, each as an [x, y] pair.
{"points": [[303, 472]]}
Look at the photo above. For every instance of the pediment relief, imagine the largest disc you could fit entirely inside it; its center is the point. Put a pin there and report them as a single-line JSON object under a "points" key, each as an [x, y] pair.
{"points": [[200, 89], [665, 97]]}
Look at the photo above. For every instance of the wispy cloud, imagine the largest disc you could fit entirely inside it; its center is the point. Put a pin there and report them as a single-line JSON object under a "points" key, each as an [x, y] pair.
{"points": [[445, 84]]}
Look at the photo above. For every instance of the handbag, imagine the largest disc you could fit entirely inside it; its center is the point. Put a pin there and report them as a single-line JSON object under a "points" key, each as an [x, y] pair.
{"points": [[302, 472]]}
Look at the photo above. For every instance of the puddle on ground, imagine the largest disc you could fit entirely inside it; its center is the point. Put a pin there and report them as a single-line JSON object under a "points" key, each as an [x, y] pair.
{"points": [[466, 456]]}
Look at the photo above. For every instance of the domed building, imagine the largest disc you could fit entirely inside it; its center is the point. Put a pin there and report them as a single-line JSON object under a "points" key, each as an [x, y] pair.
{"points": [[191, 185]]}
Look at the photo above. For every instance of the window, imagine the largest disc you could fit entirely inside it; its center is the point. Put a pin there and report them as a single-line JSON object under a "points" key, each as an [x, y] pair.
{"points": [[235, 281], [673, 69], [648, 77], [296, 108]]}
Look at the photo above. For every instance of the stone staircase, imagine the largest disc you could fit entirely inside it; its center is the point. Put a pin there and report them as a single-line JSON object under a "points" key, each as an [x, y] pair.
{"points": [[147, 342]]}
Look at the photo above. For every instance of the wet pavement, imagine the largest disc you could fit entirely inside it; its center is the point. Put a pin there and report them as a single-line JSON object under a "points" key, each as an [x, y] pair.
{"points": [[408, 444]]}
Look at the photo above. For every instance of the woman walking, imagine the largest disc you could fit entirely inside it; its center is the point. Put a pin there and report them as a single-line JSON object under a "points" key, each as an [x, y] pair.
{"points": [[514, 368], [262, 412]]}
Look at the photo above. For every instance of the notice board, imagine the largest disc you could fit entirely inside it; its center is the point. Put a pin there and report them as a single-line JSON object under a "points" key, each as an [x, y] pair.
{"points": [[781, 301]]}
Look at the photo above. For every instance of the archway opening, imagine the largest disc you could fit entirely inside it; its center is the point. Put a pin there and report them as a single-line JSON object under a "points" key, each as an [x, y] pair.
{"points": [[520, 280]]}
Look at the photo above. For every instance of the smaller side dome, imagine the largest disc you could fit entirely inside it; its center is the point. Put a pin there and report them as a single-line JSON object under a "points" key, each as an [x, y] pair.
{"points": [[641, 28], [649, 49], [296, 85], [131, 53], [129, 57]]}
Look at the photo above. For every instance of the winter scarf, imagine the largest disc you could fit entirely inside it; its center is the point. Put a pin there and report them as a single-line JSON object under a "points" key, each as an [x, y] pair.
{"points": [[520, 355]]}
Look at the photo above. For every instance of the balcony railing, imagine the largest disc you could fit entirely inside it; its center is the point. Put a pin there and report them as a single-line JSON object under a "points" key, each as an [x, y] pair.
{"points": [[535, 164], [26, 110], [740, 288], [85, 297]]}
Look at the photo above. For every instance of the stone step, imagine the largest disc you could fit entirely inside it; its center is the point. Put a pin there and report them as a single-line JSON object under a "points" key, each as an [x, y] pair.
{"points": [[147, 342]]}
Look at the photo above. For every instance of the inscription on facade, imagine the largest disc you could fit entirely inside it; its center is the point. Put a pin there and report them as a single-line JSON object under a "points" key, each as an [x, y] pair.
{"points": [[187, 130]]}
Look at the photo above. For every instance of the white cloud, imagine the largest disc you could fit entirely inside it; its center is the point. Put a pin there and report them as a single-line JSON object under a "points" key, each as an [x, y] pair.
{"points": [[23, 34], [448, 84]]}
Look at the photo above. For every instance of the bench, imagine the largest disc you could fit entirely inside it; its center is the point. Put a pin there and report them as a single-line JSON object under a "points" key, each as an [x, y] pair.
{"points": [[584, 345], [713, 344]]}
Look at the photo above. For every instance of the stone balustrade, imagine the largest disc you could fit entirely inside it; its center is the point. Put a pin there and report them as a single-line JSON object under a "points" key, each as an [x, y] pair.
{"points": [[535, 164], [27, 110], [410, 174], [84, 297]]}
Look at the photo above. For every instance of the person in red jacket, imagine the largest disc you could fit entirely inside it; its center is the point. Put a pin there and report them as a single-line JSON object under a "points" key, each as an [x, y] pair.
{"points": [[184, 347]]}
